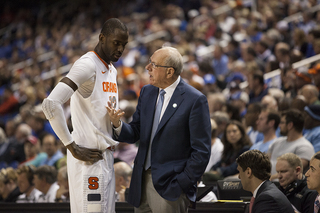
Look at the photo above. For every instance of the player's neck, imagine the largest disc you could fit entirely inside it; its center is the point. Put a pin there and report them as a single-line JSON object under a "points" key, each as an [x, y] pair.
{"points": [[100, 53]]}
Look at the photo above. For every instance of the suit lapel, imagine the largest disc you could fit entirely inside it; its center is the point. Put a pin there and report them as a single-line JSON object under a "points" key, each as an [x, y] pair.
{"points": [[261, 189], [174, 104]]}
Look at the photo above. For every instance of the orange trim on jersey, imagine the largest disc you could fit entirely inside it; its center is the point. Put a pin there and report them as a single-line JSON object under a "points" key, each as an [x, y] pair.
{"points": [[105, 64]]}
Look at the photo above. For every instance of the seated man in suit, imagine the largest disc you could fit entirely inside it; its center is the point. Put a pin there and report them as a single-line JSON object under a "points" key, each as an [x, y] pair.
{"points": [[293, 183], [313, 179], [254, 172]]}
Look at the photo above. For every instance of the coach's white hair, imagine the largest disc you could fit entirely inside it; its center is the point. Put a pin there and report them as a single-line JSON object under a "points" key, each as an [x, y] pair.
{"points": [[174, 59]]}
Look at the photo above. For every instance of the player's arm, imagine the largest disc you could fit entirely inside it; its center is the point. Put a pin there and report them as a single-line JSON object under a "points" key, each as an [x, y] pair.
{"points": [[53, 110]]}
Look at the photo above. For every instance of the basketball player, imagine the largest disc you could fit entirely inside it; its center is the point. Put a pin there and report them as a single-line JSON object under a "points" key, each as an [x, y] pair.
{"points": [[91, 83]]}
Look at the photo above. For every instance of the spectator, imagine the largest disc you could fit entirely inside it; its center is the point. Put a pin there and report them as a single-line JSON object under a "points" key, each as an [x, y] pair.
{"points": [[222, 119], [9, 105], [307, 23], [220, 63], [31, 149], [298, 103], [51, 146], [302, 78], [9, 190], [62, 194], [14, 148], [299, 39], [257, 87], [10, 128], [267, 124], [313, 178], [126, 152], [316, 46], [311, 94], [251, 57], [237, 97], [216, 101], [312, 125], [254, 172], [26, 186], [282, 53], [232, 110], [216, 146], [45, 178], [269, 102], [123, 173], [38, 125], [3, 139], [235, 141], [293, 183], [315, 72], [312, 35], [291, 125], [263, 52], [251, 117]]}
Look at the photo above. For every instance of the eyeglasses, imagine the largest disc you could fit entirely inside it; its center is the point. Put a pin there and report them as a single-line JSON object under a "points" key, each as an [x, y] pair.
{"points": [[155, 65]]}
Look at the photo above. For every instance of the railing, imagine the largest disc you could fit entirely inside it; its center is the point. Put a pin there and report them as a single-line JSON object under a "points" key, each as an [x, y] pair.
{"points": [[276, 73], [298, 16]]}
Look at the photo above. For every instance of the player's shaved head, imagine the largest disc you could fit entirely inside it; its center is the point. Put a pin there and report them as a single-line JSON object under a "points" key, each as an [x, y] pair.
{"points": [[111, 24]]}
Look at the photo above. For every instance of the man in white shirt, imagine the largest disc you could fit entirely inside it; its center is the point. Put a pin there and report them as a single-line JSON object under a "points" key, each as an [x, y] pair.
{"points": [[45, 178], [26, 186], [216, 146]]}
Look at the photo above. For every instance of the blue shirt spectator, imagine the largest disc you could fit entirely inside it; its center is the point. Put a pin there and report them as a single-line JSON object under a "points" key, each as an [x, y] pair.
{"points": [[263, 147], [312, 126]]}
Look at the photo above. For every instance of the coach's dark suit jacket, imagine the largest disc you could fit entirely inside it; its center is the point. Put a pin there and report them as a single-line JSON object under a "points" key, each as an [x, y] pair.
{"points": [[270, 199], [181, 145]]}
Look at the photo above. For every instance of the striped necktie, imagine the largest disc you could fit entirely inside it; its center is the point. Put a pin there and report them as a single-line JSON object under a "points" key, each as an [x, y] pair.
{"points": [[251, 204], [156, 121], [317, 204]]}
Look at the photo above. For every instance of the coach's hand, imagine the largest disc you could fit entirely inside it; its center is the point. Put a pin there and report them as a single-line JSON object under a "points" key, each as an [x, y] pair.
{"points": [[114, 115], [85, 154]]}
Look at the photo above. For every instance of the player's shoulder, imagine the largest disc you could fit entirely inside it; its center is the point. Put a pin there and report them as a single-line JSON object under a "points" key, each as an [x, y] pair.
{"points": [[86, 58]]}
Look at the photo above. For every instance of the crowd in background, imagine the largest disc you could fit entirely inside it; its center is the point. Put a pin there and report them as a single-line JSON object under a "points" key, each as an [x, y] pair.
{"points": [[226, 54]]}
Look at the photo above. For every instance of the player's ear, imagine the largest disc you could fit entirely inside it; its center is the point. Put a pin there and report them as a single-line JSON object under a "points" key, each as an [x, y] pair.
{"points": [[101, 37]]}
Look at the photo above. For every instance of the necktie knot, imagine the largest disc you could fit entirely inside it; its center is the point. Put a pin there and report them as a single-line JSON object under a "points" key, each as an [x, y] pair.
{"points": [[162, 92]]}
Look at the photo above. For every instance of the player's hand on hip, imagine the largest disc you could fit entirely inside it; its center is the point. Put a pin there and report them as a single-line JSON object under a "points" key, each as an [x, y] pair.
{"points": [[85, 154], [114, 115]]}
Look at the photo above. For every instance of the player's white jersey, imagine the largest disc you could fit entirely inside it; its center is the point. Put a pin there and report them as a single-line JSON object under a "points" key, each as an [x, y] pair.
{"points": [[92, 186], [91, 124]]}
